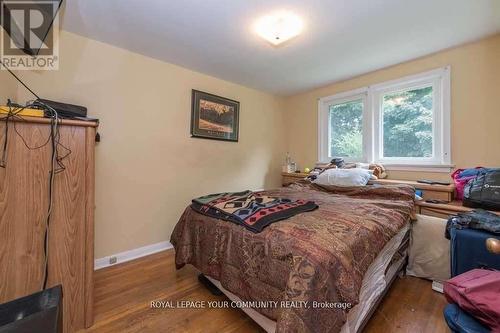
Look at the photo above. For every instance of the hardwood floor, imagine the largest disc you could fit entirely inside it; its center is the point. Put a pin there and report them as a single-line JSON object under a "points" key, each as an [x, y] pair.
{"points": [[123, 295]]}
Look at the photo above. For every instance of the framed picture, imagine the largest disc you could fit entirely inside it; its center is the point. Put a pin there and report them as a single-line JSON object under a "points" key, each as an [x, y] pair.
{"points": [[214, 117]]}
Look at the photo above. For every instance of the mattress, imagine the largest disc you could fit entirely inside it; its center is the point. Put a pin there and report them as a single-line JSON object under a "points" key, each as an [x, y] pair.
{"points": [[316, 260], [375, 282]]}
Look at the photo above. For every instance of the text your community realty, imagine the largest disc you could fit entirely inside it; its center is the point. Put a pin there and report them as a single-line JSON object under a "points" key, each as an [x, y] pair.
{"points": [[188, 304]]}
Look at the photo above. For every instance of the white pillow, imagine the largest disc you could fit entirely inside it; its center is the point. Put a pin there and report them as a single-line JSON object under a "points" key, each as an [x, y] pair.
{"points": [[343, 177]]}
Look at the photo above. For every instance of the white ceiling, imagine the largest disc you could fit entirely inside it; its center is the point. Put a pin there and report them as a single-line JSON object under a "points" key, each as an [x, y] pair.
{"points": [[342, 38]]}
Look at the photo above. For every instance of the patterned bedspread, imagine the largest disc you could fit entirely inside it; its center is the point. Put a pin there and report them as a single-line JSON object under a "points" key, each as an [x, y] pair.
{"points": [[253, 210], [319, 256]]}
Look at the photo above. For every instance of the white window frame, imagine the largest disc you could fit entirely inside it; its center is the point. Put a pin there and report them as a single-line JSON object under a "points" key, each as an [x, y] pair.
{"points": [[439, 79], [324, 124]]}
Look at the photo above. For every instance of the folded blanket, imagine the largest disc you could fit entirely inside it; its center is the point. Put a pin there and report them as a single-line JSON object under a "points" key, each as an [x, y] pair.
{"points": [[253, 210]]}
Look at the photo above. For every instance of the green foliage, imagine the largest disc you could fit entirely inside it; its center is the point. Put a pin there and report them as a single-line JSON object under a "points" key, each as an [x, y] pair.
{"points": [[346, 129], [408, 123]]}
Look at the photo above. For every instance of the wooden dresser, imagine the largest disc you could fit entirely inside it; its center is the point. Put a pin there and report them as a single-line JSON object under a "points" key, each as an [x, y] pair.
{"points": [[23, 209]]}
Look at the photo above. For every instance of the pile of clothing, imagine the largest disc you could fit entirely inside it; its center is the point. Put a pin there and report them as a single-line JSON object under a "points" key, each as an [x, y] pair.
{"points": [[479, 219], [462, 176], [377, 170]]}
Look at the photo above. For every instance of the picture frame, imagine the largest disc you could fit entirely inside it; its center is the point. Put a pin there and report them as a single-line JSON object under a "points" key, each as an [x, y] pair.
{"points": [[214, 117]]}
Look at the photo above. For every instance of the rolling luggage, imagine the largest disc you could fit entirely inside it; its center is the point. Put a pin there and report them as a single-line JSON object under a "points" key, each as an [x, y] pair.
{"points": [[460, 322], [468, 251], [476, 293]]}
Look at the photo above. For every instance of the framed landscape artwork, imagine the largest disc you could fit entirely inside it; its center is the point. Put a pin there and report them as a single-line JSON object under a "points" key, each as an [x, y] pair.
{"points": [[214, 117]]}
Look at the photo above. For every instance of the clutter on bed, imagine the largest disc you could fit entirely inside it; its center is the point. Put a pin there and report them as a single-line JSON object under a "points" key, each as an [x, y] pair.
{"points": [[343, 177], [378, 170], [474, 293], [252, 210]]}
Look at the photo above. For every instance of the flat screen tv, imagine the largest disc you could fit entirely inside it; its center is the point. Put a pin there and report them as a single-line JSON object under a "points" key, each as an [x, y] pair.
{"points": [[13, 22]]}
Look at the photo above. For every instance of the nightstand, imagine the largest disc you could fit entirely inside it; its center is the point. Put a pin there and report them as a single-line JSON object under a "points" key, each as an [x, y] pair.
{"points": [[443, 210], [435, 191], [291, 177]]}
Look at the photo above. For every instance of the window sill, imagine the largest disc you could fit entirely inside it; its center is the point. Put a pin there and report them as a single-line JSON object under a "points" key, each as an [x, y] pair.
{"points": [[444, 168]]}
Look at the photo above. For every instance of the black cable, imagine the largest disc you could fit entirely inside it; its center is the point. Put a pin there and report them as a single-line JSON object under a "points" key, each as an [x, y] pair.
{"points": [[10, 114], [49, 210]]}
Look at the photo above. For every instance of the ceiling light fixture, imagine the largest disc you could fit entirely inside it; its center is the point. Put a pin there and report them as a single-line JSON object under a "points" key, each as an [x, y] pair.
{"points": [[279, 27]]}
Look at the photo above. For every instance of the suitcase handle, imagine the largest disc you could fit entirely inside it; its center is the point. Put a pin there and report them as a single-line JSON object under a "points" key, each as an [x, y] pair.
{"points": [[493, 245]]}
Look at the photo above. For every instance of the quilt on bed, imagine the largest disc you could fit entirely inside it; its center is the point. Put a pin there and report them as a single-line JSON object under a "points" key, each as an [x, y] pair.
{"points": [[253, 210], [319, 256]]}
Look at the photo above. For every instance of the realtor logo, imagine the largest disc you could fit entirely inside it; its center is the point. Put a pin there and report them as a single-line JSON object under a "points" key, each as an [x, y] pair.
{"points": [[30, 36]]}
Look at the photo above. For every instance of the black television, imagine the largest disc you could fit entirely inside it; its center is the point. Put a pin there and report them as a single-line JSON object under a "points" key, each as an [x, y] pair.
{"points": [[12, 13]]}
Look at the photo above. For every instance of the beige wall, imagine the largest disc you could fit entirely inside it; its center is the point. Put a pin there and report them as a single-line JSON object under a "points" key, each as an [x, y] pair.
{"points": [[475, 105], [147, 166], [8, 87]]}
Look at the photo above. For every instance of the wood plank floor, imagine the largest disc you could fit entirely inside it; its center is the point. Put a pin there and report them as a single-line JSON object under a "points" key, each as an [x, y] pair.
{"points": [[123, 295]]}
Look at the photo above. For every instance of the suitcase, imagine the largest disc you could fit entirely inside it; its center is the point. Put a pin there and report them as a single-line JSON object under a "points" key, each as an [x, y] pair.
{"points": [[477, 293], [460, 322], [468, 251]]}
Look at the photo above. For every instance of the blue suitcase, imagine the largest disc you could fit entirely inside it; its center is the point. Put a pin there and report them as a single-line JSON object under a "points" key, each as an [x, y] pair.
{"points": [[468, 251], [460, 321]]}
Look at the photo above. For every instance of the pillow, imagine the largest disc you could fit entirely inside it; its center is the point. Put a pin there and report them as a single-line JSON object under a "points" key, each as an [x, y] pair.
{"points": [[343, 177]]}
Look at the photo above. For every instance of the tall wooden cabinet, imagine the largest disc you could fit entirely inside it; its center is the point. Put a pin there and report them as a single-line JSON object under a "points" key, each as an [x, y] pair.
{"points": [[23, 208]]}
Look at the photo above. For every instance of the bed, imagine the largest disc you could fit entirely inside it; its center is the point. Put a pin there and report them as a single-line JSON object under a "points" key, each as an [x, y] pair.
{"points": [[327, 269]]}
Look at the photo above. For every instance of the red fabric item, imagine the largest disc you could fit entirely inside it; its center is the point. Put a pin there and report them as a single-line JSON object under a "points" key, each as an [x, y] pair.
{"points": [[461, 182], [478, 293]]}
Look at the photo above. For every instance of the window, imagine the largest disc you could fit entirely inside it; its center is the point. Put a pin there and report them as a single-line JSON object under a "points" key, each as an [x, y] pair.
{"points": [[400, 123], [346, 129]]}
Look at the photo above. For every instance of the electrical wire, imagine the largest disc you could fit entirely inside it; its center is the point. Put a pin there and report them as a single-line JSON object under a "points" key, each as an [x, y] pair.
{"points": [[53, 129], [56, 161]]}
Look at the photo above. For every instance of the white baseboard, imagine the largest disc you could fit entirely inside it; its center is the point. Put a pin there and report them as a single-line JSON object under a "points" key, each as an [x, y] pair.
{"points": [[132, 254]]}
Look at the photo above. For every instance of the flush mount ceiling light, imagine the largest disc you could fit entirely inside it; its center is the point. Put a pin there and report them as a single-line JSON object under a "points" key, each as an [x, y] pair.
{"points": [[279, 27]]}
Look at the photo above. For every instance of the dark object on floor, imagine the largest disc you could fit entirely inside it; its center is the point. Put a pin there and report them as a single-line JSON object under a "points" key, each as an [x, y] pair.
{"points": [[209, 285], [40, 312], [460, 322], [252, 210], [476, 292], [469, 251], [432, 182], [477, 219], [483, 191]]}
